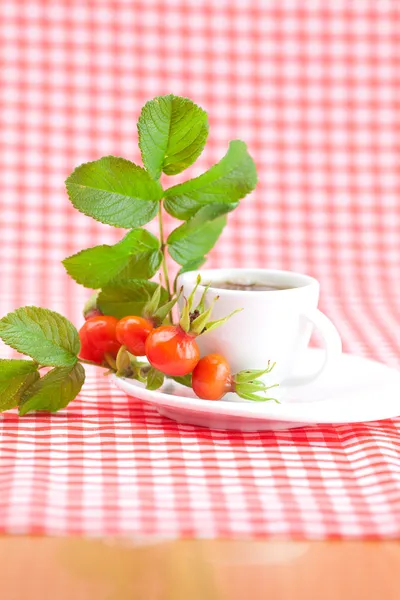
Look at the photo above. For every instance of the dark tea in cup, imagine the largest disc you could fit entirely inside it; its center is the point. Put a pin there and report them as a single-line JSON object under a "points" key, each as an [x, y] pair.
{"points": [[246, 287]]}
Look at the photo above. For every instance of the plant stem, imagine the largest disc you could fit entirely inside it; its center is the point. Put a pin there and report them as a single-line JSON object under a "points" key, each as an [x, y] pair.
{"points": [[163, 248]]}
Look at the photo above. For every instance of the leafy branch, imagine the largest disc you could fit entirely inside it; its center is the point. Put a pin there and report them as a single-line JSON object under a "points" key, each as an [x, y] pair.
{"points": [[50, 340], [172, 134], [113, 190]]}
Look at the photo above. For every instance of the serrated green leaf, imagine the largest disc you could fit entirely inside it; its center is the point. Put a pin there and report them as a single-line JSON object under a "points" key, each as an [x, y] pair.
{"points": [[227, 182], [136, 255], [129, 297], [114, 191], [30, 380], [193, 265], [205, 215], [172, 134], [197, 236], [155, 379], [44, 335], [14, 375], [53, 391]]}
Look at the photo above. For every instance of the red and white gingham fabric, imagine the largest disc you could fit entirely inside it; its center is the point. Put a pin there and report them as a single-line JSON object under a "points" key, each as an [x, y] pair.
{"points": [[313, 88]]}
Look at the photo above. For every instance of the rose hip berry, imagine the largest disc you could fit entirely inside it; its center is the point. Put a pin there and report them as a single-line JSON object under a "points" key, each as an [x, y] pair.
{"points": [[212, 378], [132, 332], [98, 338], [172, 350]]}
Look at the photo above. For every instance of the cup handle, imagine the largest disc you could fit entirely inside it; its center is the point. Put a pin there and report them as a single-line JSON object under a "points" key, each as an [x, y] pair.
{"points": [[332, 345]]}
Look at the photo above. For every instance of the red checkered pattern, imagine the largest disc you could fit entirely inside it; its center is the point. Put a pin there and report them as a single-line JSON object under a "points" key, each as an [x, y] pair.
{"points": [[313, 88]]}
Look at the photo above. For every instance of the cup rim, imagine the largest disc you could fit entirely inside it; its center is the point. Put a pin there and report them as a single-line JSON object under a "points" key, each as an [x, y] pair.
{"points": [[309, 281]]}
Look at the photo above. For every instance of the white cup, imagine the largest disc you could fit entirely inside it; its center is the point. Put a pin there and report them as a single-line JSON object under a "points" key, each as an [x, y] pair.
{"points": [[273, 325]]}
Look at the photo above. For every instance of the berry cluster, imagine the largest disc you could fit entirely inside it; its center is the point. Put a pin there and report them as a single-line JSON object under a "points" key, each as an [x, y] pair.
{"points": [[170, 349], [130, 315]]}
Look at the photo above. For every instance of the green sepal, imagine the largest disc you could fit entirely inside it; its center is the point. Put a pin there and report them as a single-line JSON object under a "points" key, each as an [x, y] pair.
{"points": [[248, 386], [194, 290], [123, 362], [250, 375], [256, 398], [184, 321], [201, 304], [253, 386], [161, 314], [200, 323], [110, 361], [214, 324], [153, 303], [91, 305]]}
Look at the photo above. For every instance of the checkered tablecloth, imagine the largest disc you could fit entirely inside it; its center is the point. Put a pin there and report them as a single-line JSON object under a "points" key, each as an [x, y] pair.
{"points": [[313, 88]]}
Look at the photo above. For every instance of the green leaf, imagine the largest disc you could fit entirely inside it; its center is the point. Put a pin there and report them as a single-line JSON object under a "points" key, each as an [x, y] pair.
{"points": [[44, 335], [53, 391], [172, 134], [227, 182], [14, 375], [197, 236], [30, 380], [193, 265], [204, 216], [185, 380], [124, 298], [136, 255], [114, 191], [155, 379]]}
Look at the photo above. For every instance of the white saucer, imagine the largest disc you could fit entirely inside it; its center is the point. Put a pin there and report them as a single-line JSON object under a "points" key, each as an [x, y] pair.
{"points": [[356, 390]]}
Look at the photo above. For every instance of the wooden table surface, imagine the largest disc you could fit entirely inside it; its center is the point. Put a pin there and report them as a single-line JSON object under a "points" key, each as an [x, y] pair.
{"points": [[109, 569]]}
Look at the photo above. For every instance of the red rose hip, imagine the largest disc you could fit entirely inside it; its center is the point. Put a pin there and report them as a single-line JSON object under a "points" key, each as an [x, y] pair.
{"points": [[211, 378], [172, 351], [132, 332], [98, 337]]}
